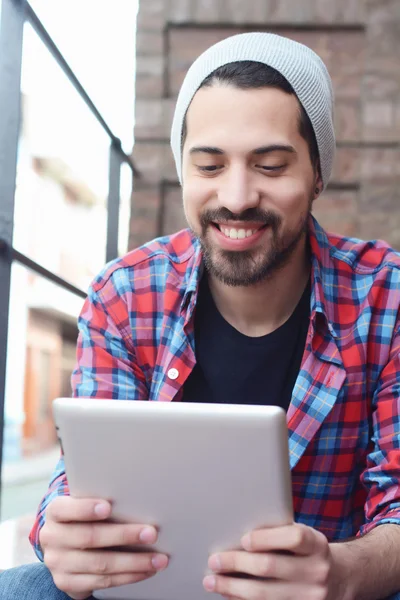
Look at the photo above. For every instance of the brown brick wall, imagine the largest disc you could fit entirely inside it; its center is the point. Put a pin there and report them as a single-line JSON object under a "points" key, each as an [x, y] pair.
{"points": [[359, 40]]}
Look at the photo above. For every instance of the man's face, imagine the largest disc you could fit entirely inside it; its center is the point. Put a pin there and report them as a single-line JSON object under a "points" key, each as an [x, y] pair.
{"points": [[248, 181]]}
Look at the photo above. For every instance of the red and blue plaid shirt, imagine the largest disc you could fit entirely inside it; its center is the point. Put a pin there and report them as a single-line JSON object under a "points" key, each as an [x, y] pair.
{"points": [[136, 342]]}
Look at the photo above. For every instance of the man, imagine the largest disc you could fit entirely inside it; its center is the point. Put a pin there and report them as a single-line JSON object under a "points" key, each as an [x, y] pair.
{"points": [[254, 304]]}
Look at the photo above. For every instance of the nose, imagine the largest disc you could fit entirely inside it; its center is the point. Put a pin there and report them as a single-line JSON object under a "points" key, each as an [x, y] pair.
{"points": [[236, 191]]}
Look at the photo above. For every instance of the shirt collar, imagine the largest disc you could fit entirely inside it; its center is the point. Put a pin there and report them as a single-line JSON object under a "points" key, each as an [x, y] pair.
{"points": [[191, 281], [322, 275]]}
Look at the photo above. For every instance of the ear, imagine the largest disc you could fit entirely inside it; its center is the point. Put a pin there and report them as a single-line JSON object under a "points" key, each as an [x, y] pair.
{"points": [[318, 183]]}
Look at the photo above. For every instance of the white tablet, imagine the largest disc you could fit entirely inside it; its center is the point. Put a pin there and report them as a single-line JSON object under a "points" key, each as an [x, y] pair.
{"points": [[205, 474]]}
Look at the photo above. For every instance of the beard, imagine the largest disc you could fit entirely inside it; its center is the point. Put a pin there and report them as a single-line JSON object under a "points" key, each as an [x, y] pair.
{"points": [[249, 267]]}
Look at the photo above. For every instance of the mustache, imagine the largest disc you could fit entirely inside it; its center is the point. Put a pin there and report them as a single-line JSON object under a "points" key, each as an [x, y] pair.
{"points": [[252, 215]]}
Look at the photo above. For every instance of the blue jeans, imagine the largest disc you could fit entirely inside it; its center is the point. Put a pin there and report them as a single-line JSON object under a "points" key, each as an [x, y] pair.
{"points": [[34, 582], [30, 582]]}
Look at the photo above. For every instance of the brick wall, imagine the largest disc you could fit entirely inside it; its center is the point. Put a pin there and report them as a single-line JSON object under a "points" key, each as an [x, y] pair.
{"points": [[360, 43]]}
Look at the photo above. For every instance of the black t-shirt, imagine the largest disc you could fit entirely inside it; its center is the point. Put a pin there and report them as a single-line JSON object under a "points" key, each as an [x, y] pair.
{"points": [[236, 369]]}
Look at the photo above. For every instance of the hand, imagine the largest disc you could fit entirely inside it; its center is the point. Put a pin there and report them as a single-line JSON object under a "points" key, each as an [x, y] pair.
{"points": [[303, 572], [75, 540]]}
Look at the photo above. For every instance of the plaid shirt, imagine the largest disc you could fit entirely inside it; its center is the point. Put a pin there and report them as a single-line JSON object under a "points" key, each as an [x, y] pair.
{"points": [[136, 342]]}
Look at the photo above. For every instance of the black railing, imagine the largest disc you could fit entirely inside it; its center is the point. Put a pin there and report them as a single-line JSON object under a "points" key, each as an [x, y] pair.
{"points": [[37, 25], [10, 254], [14, 14]]}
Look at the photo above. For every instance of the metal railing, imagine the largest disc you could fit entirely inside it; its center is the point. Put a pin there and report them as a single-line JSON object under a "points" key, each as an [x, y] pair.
{"points": [[14, 14]]}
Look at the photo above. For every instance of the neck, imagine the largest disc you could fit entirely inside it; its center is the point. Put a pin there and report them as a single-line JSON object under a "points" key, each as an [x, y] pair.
{"points": [[260, 309]]}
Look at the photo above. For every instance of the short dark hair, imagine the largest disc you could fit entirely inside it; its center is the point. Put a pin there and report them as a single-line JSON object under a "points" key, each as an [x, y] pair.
{"points": [[248, 74]]}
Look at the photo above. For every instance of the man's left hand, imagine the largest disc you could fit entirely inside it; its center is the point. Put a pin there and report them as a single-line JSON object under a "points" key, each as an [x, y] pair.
{"points": [[293, 561]]}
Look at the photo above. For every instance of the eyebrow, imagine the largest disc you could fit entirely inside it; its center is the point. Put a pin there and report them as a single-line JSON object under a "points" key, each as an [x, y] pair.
{"points": [[206, 150], [274, 148], [258, 151]]}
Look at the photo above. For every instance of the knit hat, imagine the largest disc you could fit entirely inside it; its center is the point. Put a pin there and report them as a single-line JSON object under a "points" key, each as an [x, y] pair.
{"points": [[302, 68]]}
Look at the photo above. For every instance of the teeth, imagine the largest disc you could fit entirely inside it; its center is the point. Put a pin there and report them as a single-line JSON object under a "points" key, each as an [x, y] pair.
{"points": [[237, 234]]}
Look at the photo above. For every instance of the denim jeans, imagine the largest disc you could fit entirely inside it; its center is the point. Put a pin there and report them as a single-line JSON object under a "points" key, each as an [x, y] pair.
{"points": [[30, 582], [34, 582]]}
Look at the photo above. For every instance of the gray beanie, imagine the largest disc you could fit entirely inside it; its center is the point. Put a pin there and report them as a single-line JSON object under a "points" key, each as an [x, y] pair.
{"points": [[302, 68]]}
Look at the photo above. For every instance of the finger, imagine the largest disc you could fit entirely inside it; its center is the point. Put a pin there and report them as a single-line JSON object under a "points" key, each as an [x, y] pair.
{"points": [[65, 509], [110, 563], [246, 589], [82, 536], [295, 538], [82, 586], [273, 566]]}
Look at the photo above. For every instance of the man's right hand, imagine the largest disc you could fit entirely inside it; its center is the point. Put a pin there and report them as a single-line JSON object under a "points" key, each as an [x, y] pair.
{"points": [[75, 541]]}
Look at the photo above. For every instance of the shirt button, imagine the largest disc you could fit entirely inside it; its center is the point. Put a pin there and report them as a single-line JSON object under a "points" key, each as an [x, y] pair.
{"points": [[173, 373]]}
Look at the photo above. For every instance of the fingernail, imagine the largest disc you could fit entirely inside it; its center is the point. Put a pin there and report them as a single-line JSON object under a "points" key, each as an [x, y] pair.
{"points": [[209, 583], [101, 510], [246, 541], [148, 535], [214, 562], [159, 561]]}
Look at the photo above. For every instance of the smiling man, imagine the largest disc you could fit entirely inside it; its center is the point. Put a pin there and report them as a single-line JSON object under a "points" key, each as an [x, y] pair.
{"points": [[254, 303]]}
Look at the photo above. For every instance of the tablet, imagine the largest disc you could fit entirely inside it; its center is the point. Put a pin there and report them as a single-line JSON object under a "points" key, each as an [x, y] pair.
{"points": [[204, 474]]}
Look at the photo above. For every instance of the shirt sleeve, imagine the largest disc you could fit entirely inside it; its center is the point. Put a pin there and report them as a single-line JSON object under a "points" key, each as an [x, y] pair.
{"points": [[106, 368], [382, 473]]}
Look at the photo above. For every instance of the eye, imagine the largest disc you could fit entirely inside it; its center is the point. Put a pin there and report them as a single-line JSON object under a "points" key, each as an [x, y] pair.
{"points": [[209, 168], [266, 168]]}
